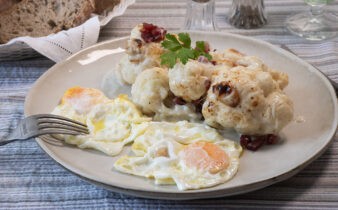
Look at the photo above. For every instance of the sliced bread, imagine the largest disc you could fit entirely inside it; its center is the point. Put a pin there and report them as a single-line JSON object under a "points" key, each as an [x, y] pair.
{"points": [[40, 18], [7, 4]]}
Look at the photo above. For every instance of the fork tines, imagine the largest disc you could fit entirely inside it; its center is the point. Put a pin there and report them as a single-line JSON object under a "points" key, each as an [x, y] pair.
{"points": [[59, 124]]}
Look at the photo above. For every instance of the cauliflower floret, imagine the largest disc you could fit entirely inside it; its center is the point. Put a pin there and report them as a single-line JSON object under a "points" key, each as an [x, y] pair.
{"points": [[140, 56], [136, 32], [249, 101], [190, 81], [151, 92], [254, 63], [150, 89], [233, 58], [228, 57], [128, 71], [280, 77], [139, 50], [135, 46]]}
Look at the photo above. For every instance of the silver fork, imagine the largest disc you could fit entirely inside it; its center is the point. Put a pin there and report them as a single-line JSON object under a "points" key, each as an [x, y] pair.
{"points": [[42, 124]]}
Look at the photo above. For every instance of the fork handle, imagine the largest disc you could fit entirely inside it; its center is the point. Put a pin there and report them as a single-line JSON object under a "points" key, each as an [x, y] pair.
{"points": [[12, 137]]}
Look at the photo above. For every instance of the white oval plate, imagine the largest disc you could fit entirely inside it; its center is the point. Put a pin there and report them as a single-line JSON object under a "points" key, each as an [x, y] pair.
{"points": [[313, 97]]}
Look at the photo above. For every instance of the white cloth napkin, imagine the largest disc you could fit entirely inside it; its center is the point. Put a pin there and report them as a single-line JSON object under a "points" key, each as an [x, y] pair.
{"points": [[58, 47]]}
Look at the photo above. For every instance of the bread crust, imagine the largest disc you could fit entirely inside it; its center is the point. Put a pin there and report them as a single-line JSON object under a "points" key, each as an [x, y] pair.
{"points": [[103, 5], [7, 4]]}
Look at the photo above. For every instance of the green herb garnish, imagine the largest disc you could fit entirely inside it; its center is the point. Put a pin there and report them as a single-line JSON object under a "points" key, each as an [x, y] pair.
{"points": [[181, 49]]}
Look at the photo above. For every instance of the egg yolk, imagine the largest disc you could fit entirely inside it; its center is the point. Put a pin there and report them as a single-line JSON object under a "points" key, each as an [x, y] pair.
{"points": [[206, 156], [83, 99]]}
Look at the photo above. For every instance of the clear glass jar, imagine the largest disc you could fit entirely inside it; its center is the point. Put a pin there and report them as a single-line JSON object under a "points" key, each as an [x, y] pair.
{"points": [[247, 14], [200, 15]]}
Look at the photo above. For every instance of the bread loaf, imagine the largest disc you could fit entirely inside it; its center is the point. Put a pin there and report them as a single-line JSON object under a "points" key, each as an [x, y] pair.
{"points": [[103, 5], [42, 17]]}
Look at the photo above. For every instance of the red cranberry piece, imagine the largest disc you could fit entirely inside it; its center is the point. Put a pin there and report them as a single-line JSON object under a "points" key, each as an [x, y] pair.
{"points": [[252, 142], [207, 84], [152, 33], [213, 63], [255, 144], [146, 37], [148, 27], [156, 31], [179, 100], [199, 104], [271, 139], [244, 140]]}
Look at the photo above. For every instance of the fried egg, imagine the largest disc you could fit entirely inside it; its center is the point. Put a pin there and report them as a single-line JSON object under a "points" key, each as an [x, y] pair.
{"points": [[77, 102], [190, 155], [111, 123]]}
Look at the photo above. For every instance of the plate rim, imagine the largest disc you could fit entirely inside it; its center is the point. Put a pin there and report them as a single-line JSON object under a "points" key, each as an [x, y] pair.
{"points": [[183, 195], [186, 195]]}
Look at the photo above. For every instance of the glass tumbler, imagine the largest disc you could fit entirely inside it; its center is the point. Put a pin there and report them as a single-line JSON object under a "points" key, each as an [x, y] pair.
{"points": [[314, 24], [200, 15]]}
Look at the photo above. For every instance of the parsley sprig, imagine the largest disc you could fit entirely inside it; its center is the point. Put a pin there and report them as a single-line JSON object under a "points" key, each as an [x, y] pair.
{"points": [[181, 49]]}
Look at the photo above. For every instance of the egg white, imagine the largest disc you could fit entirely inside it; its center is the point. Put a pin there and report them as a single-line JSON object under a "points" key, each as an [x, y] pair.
{"points": [[170, 167], [111, 124], [182, 131]]}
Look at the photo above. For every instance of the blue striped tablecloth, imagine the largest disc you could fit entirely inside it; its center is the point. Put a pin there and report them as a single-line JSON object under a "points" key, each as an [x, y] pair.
{"points": [[29, 179]]}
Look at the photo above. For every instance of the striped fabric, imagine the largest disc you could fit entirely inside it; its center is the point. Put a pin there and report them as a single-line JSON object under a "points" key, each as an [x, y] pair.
{"points": [[30, 180]]}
